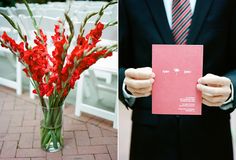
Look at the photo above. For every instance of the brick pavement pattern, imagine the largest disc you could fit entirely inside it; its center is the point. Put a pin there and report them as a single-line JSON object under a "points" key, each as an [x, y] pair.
{"points": [[85, 138]]}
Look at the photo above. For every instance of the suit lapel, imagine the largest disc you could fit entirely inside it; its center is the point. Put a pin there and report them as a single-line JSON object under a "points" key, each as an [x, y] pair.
{"points": [[160, 19], [158, 12], [201, 10]]}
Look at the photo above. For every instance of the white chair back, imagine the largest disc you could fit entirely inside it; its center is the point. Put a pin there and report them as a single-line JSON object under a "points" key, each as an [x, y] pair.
{"points": [[4, 10], [6, 27], [23, 11], [50, 12], [45, 23], [111, 33], [15, 84]]}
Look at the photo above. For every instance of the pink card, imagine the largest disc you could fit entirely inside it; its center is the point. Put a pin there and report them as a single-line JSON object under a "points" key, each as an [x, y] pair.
{"points": [[177, 69]]}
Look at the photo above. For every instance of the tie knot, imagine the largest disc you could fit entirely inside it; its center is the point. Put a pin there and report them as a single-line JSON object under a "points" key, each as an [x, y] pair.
{"points": [[180, 1]]}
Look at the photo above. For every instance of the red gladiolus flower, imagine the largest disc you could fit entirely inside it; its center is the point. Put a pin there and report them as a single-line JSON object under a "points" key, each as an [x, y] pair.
{"points": [[95, 34], [11, 44], [57, 71]]}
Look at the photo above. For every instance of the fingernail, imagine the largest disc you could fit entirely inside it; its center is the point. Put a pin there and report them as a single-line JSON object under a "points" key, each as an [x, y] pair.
{"points": [[198, 86], [153, 75], [199, 80], [152, 80]]}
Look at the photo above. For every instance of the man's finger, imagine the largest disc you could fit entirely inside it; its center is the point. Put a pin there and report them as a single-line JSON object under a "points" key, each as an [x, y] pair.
{"points": [[210, 104], [214, 91], [140, 73], [137, 95], [140, 91], [207, 94], [211, 79], [216, 99], [138, 84]]}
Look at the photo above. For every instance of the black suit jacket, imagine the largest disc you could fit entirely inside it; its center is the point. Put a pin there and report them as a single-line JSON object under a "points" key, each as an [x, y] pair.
{"points": [[143, 23]]}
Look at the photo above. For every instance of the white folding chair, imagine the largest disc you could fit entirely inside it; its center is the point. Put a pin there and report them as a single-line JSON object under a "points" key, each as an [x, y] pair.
{"points": [[111, 33], [50, 12], [23, 11], [15, 84], [45, 23], [20, 5], [103, 69], [80, 15], [4, 10], [114, 11]]}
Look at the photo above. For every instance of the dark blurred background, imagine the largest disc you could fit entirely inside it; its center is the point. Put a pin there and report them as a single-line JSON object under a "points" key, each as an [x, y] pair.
{"points": [[8, 3]]}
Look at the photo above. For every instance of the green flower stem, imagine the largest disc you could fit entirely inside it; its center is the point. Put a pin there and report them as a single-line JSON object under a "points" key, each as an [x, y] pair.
{"points": [[110, 24], [101, 12], [51, 128], [14, 25]]}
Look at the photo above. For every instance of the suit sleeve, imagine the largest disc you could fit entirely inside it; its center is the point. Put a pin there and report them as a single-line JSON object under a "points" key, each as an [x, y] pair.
{"points": [[232, 57], [125, 53]]}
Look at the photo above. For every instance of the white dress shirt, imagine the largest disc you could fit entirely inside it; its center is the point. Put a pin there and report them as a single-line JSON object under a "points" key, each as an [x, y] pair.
{"points": [[130, 99]]}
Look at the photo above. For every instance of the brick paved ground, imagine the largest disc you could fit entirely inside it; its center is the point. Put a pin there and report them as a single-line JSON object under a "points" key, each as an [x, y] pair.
{"points": [[86, 138]]}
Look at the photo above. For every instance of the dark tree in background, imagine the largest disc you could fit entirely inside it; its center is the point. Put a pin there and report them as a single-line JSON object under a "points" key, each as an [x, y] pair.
{"points": [[34, 1], [7, 3], [10, 3], [102, 0], [41, 1]]}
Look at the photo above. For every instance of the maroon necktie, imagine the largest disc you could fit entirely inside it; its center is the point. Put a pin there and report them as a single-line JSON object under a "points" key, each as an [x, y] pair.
{"points": [[181, 20]]}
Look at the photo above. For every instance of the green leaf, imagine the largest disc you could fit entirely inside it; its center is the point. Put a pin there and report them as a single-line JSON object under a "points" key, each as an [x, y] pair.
{"points": [[101, 12], [90, 15], [111, 24], [72, 32], [9, 20], [31, 15], [14, 25]]}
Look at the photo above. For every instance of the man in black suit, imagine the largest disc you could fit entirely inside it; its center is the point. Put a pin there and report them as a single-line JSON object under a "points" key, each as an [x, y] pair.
{"points": [[206, 22]]}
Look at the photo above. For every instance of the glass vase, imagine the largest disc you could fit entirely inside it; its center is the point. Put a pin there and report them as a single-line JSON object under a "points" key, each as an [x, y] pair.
{"points": [[51, 128]]}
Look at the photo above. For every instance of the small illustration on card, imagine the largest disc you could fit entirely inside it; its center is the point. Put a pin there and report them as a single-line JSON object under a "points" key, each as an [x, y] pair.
{"points": [[177, 69]]}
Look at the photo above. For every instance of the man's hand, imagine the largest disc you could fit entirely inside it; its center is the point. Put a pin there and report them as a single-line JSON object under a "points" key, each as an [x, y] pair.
{"points": [[215, 90], [139, 81]]}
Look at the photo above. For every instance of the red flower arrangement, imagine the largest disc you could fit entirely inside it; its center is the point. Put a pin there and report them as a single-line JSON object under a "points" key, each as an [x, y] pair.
{"points": [[54, 74]]}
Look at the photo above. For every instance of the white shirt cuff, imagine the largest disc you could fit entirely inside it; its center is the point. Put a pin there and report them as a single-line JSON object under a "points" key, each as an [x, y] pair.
{"points": [[130, 99], [227, 105]]}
